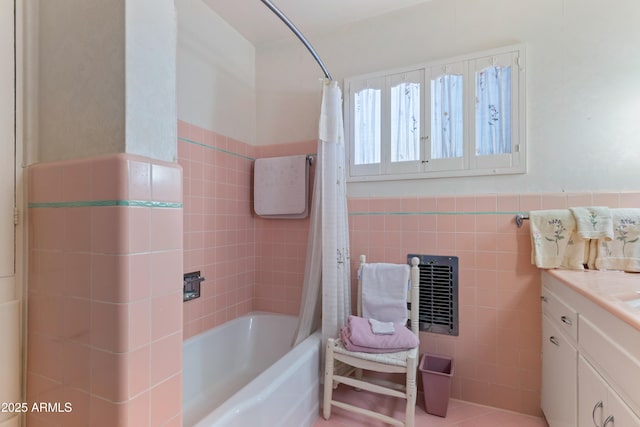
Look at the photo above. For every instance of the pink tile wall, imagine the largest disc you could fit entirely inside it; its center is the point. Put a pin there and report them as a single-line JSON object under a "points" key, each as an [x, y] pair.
{"points": [[497, 353], [250, 263], [281, 247], [105, 296], [219, 230]]}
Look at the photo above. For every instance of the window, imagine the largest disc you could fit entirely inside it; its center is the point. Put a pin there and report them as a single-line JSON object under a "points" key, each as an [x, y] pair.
{"points": [[458, 117]]}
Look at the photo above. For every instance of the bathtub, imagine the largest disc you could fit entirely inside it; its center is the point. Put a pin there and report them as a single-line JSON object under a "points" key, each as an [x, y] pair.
{"points": [[245, 373]]}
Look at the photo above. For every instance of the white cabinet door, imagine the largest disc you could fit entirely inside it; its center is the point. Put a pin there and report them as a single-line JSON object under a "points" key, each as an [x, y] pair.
{"points": [[622, 415], [592, 397], [7, 151], [559, 377], [599, 404]]}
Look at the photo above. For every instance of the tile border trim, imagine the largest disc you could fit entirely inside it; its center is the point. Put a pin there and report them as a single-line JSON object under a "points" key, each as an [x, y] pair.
{"points": [[400, 213], [221, 150], [103, 203]]}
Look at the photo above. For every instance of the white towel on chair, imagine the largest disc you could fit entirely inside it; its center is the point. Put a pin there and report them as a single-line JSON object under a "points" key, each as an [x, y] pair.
{"points": [[593, 222], [384, 292], [623, 252], [554, 240]]}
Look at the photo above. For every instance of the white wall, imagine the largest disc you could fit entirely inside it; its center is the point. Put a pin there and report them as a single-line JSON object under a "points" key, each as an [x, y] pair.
{"points": [[81, 78], [215, 73], [105, 78], [150, 62], [583, 90], [7, 153]]}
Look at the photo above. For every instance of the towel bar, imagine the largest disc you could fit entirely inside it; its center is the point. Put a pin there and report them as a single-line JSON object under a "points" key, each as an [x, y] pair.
{"points": [[520, 219]]}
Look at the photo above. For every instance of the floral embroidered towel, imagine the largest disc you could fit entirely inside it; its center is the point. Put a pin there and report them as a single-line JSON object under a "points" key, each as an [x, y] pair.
{"points": [[623, 252], [554, 240], [593, 222]]}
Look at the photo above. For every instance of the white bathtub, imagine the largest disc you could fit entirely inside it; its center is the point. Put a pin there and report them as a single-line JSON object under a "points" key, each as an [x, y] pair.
{"points": [[245, 373]]}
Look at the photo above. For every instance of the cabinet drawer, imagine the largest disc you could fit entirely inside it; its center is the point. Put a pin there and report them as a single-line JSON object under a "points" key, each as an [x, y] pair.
{"points": [[564, 315], [618, 366]]}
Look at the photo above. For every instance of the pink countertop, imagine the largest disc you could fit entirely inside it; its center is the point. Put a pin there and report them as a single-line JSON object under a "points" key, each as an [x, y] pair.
{"points": [[608, 289]]}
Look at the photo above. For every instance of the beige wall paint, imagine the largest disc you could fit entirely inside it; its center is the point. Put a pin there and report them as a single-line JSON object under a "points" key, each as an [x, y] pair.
{"points": [[10, 329], [215, 73], [81, 78], [583, 95], [105, 78], [150, 85], [7, 151]]}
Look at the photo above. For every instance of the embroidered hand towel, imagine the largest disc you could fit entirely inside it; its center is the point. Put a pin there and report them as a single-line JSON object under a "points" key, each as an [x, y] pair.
{"points": [[593, 222], [553, 242], [280, 187], [623, 252]]}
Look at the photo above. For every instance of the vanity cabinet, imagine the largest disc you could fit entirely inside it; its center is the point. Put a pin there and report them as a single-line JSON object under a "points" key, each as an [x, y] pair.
{"points": [[559, 361], [590, 361], [559, 392]]}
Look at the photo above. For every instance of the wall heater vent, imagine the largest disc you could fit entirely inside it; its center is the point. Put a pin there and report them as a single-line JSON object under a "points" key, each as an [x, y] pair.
{"points": [[438, 293]]}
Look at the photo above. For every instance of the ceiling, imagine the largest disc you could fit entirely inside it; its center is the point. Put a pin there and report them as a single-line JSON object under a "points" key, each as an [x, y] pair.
{"points": [[259, 25]]}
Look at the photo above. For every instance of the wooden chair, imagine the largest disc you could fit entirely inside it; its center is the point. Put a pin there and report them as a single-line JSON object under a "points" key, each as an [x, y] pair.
{"points": [[344, 366]]}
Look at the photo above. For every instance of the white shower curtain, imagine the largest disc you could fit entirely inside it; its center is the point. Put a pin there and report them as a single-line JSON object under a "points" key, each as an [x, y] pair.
{"points": [[327, 271]]}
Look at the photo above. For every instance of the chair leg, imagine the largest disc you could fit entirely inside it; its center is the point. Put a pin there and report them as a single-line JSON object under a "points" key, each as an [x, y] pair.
{"points": [[412, 391], [328, 380]]}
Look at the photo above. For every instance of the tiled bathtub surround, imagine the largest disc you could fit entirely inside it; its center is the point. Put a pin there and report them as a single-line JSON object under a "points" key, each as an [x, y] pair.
{"points": [[497, 353], [105, 304], [219, 237], [249, 263], [281, 247]]}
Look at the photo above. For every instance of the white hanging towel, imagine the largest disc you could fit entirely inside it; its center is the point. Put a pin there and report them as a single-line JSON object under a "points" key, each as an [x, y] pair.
{"points": [[281, 187], [384, 292]]}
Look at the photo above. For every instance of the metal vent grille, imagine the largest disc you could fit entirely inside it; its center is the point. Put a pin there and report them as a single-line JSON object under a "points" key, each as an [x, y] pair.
{"points": [[438, 311]]}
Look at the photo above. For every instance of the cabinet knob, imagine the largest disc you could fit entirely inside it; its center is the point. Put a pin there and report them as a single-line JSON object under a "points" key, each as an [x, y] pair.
{"points": [[608, 420], [566, 320], [543, 298], [593, 413], [554, 340]]}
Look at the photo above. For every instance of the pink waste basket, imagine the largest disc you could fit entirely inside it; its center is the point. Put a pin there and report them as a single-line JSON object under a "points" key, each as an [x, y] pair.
{"points": [[436, 373]]}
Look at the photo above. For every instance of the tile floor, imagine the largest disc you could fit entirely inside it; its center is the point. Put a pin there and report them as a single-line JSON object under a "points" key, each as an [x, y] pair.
{"points": [[459, 413]]}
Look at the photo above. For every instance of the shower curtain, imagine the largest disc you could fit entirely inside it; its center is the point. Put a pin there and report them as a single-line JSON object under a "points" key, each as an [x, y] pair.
{"points": [[327, 267]]}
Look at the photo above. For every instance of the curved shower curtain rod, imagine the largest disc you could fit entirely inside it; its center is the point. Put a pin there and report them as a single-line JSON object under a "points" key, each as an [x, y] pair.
{"points": [[297, 32]]}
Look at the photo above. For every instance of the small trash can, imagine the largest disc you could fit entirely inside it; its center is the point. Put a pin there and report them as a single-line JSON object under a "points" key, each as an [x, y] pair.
{"points": [[436, 373]]}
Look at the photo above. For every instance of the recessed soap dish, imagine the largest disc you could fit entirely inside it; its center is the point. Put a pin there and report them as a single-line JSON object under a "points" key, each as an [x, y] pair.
{"points": [[191, 286]]}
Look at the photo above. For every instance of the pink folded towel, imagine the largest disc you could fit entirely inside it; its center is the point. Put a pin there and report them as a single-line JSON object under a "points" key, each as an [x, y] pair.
{"points": [[357, 336]]}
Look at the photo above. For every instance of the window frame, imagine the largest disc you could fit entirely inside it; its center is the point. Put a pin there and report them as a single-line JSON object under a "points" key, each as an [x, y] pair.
{"points": [[471, 164]]}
